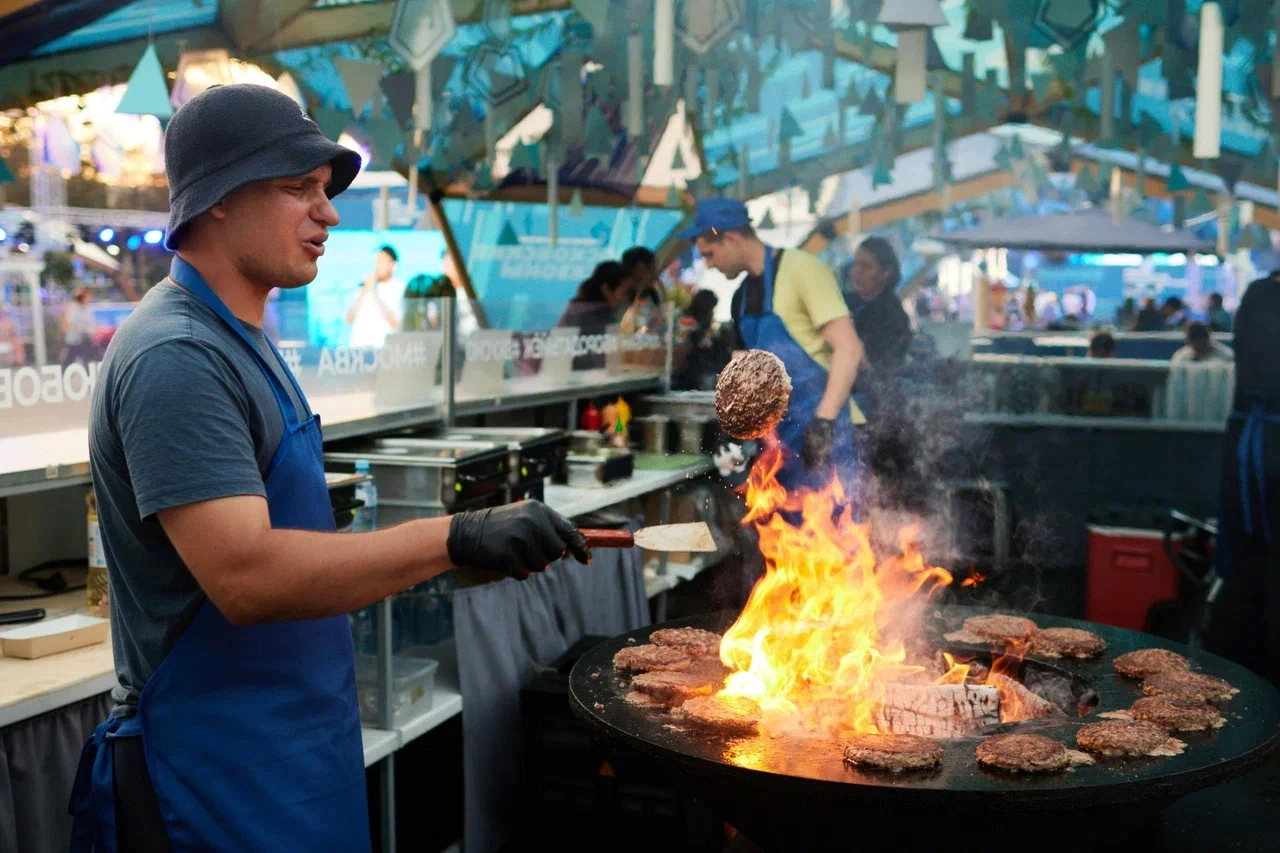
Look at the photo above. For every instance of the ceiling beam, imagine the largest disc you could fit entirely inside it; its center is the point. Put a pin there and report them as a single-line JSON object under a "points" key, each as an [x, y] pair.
{"points": [[8, 7], [329, 24], [258, 25]]}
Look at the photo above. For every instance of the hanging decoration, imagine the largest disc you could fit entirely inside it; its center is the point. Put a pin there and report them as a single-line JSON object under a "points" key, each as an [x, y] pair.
{"points": [[882, 175], [766, 222], [1066, 23], [830, 139], [576, 207], [788, 129], [705, 23], [553, 200], [912, 20], [1209, 83], [968, 85], [1087, 180], [664, 24], [1177, 181], [360, 80], [1123, 44], [507, 236], [146, 93], [385, 135], [596, 13], [524, 157], [569, 118], [400, 90], [635, 83], [1200, 204], [599, 140], [977, 26], [871, 104], [331, 122], [483, 181]]}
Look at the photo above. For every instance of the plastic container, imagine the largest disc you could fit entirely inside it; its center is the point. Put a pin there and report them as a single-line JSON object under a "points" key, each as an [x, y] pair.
{"points": [[1129, 573], [366, 516], [412, 691]]}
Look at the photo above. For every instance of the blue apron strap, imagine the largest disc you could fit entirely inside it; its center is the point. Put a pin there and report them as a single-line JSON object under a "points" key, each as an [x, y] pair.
{"points": [[770, 272], [190, 279]]}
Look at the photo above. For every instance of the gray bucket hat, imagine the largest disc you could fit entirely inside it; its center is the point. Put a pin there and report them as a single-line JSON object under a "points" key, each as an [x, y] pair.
{"points": [[229, 136]]}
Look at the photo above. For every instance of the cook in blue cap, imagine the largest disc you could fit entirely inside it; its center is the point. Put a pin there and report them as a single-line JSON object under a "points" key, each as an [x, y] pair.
{"points": [[236, 720], [789, 304]]}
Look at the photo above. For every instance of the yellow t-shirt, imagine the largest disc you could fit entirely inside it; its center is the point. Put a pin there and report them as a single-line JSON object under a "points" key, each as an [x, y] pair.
{"points": [[806, 298]]}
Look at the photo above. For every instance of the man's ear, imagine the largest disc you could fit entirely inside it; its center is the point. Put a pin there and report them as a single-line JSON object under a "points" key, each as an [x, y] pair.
{"points": [[219, 210]]}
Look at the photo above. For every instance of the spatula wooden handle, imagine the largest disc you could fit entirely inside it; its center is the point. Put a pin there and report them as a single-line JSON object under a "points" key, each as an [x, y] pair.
{"points": [[607, 538]]}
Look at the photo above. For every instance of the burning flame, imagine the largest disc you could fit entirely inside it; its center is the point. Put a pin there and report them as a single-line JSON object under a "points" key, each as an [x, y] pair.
{"points": [[829, 624], [973, 580]]}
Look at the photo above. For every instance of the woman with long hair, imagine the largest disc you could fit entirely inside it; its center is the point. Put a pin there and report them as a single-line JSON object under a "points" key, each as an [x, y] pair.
{"points": [[598, 303]]}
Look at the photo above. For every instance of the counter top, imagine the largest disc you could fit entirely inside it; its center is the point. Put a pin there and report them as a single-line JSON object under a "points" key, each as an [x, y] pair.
{"points": [[1036, 420]]}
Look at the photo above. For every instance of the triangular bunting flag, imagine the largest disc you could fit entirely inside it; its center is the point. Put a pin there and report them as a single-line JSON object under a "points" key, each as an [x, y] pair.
{"points": [[484, 178], [1229, 169], [871, 104], [507, 237], [851, 97], [146, 94], [1200, 204], [524, 157], [1149, 131], [1015, 148], [1003, 158], [1087, 180], [576, 207], [6, 175], [400, 90], [331, 122], [788, 127], [386, 136], [1177, 180], [977, 27], [598, 138], [596, 12], [360, 80], [882, 176], [673, 198], [766, 223]]}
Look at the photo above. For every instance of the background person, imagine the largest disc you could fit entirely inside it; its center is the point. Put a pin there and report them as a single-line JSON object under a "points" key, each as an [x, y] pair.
{"points": [[379, 305], [1200, 346], [79, 329]]}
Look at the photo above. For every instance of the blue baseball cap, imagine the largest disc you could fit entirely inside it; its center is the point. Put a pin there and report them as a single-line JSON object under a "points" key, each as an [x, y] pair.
{"points": [[717, 214]]}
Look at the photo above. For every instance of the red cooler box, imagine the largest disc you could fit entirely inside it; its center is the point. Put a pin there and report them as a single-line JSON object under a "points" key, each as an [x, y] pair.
{"points": [[1128, 573]]}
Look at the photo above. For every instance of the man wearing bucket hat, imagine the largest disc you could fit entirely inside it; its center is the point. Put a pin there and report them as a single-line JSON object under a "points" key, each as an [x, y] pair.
{"points": [[236, 725], [789, 304]]}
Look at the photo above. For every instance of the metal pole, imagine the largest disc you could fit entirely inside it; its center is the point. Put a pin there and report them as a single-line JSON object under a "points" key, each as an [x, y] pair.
{"points": [[37, 318], [448, 321], [670, 344], [386, 680]]}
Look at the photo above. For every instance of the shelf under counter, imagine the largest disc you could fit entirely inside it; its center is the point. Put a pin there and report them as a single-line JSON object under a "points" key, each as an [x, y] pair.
{"points": [[574, 502]]}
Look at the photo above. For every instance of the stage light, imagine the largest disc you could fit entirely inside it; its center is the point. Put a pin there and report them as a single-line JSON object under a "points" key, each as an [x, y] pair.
{"points": [[113, 250], [106, 235], [4, 235], [153, 236], [134, 243]]}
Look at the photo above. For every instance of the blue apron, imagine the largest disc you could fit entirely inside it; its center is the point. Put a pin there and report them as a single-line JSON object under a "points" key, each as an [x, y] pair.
{"points": [[251, 735], [1251, 472], [766, 331]]}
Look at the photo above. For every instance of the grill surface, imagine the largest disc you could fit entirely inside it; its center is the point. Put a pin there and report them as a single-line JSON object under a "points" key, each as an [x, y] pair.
{"points": [[792, 794]]}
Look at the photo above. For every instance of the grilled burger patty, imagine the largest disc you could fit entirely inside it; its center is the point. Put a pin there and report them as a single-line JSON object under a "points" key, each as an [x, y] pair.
{"points": [[1000, 627], [892, 752], [752, 394], [1177, 713], [1023, 753], [648, 658], [694, 642], [671, 688], [728, 715], [1067, 642], [1188, 685], [1128, 737], [1147, 662]]}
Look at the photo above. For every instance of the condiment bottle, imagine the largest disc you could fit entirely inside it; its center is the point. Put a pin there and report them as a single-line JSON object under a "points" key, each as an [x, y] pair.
{"points": [[591, 418], [96, 582]]}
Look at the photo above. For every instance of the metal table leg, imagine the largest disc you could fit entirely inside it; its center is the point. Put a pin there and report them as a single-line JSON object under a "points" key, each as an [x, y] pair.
{"points": [[387, 769], [385, 716]]}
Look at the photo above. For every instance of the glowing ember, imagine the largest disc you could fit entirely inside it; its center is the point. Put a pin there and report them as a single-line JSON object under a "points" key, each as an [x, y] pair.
{"points": [[829, 624]]}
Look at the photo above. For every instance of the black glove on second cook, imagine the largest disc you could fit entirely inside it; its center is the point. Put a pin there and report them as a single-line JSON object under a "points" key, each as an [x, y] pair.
{"points": [[517, 539], [816, 452]]}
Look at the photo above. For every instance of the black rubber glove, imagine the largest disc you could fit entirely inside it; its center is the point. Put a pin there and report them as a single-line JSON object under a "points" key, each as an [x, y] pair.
{"points": [[816, 452], [517, 539]]}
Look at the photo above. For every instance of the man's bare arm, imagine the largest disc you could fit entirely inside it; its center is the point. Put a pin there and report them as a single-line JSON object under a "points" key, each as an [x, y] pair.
{"points": [[255, 574], [846, 354]]}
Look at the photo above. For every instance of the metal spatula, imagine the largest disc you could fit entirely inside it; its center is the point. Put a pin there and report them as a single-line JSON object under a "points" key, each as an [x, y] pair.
{"points": [[695, 536]]}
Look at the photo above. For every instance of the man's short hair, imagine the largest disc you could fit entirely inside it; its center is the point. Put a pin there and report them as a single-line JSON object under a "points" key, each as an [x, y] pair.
{"points": [[1197, 333], [636, 257], [1102, 343], [387, 250], [1215, 298]]}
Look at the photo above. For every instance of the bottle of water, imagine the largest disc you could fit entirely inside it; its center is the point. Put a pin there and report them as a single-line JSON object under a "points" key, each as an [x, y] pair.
{"points": [[366, 517]]}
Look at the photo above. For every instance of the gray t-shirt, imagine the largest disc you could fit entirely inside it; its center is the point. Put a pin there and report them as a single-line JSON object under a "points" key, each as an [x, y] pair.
{"points": [[182, 413]]}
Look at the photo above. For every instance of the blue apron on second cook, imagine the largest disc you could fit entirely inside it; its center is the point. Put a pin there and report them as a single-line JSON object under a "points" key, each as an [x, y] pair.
{"points": [[1254, 518], [766, 331], [252, 735]]}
